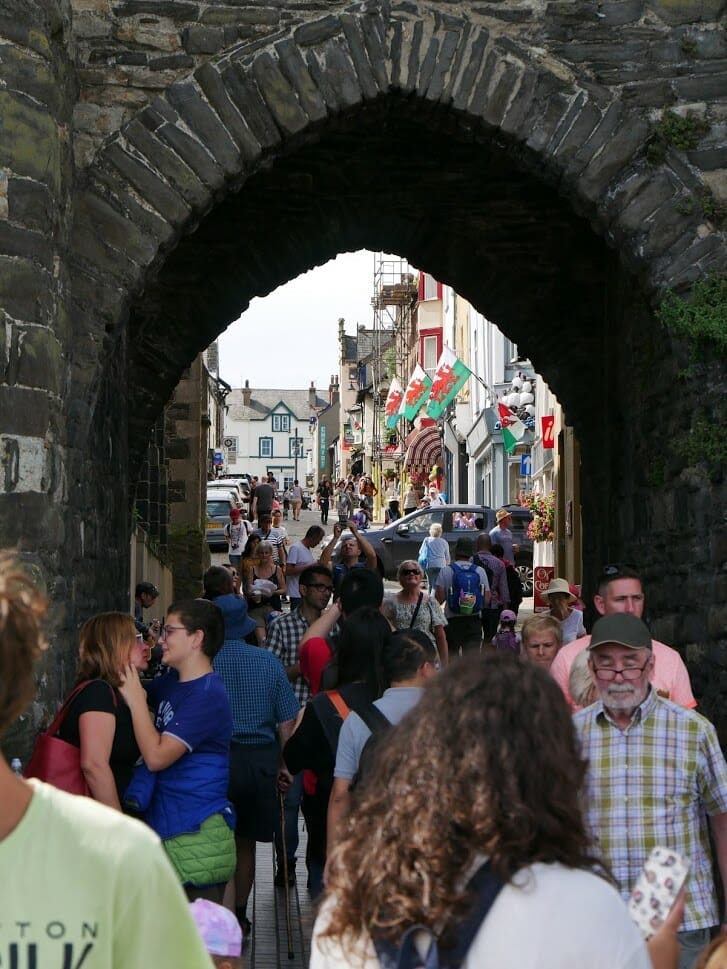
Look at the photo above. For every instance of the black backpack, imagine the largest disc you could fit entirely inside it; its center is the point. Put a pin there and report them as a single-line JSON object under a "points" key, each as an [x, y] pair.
{"points": [[379, 725], [514, 586], [480, 560]]}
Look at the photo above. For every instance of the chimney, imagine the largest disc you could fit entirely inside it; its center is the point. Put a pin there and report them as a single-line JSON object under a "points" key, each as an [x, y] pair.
{"points": [[312, 395], [246, 394], [331, 389], [334, 391]]}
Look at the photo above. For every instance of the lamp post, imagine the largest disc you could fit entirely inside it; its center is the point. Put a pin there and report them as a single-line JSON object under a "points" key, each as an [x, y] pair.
{"points": [[296, 444]]}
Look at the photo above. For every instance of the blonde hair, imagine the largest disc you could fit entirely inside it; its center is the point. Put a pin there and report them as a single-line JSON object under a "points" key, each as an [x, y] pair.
{"points": [[22, 609], [581, 684], [542, 622], [435, 530], [105, 646]]}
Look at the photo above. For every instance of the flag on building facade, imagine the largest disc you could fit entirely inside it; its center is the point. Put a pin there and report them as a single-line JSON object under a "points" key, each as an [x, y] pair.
{"points": [[450, 377], [416, 393], [512, 427], [392, 408]]}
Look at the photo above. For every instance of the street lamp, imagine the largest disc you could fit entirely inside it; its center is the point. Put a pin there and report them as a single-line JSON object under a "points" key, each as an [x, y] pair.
{"points": [[297, 441]]}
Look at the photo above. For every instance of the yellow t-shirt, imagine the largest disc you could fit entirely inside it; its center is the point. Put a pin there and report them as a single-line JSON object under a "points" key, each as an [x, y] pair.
{"points": [[83, 886]]}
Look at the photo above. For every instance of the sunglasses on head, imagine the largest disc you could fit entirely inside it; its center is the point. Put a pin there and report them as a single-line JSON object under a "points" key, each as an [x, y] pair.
{"points": [[617, 568]]}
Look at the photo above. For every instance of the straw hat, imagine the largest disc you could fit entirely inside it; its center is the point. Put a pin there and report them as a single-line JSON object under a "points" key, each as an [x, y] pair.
{"points": [[502, 514], [558, 585]]}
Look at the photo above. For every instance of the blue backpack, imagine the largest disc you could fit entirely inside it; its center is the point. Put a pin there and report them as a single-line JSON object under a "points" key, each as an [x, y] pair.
{"points": [[465, 595]]}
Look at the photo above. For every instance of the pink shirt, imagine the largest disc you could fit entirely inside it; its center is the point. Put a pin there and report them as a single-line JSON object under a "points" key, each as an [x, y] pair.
{"points": [[670, 677]]}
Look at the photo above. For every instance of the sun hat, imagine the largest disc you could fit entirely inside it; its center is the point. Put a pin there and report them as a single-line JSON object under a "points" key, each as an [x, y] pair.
{"points": [[218, 927], [234, 611], [558, 585], [620, 629], [507, 615], [502, 514]]}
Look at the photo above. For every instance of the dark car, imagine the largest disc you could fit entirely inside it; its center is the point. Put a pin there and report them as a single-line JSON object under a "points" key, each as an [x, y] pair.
{"points": [[402, 540]]}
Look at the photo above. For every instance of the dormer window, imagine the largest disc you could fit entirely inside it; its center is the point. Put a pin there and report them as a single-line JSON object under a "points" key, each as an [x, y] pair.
{"points": [[281, 422]]}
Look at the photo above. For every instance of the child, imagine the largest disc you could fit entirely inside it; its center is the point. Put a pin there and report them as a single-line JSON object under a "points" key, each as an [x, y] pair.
{"points": [[220, 931], [506, 637]]}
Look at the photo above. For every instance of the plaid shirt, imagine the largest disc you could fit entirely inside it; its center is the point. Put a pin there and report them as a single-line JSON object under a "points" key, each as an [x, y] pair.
{"points": [[653, 784], [284, 636], [259, 691]]}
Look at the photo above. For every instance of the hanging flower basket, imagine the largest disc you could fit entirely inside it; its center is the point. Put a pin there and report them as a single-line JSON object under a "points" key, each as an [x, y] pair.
{"points": [[542, 508]]}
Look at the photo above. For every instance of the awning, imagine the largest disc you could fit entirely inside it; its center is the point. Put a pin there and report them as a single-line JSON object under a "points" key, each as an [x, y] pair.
{"points": [[424, 450]]}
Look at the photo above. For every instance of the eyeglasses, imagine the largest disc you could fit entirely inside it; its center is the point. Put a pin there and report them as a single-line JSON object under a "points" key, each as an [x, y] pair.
{"points": [[319, 585], [608, 673], [410, 572], [170, 629]]}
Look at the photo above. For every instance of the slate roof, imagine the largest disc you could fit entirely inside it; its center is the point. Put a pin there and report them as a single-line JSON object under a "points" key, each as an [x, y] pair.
{"points": [[263, 402]]}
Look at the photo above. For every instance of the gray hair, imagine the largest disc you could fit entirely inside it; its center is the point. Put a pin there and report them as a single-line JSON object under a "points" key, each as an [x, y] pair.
{"points": [[581, 685], [408, 564], [265, 547], [435, 530]]}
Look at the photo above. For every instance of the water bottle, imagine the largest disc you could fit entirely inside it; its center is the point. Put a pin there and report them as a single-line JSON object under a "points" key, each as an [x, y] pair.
{"points": [[16, 766]]}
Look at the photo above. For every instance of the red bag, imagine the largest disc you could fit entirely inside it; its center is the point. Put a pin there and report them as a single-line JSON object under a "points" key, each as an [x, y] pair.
{"points": [[55, 761]]}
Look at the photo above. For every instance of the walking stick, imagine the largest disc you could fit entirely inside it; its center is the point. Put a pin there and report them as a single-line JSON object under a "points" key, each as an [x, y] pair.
{"points": [[291, 954]]}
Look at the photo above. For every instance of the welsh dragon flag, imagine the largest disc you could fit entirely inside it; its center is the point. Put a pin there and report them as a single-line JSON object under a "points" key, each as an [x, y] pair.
{"points": [[416, 393], [392, 407], [512, 427], [451, 375]]}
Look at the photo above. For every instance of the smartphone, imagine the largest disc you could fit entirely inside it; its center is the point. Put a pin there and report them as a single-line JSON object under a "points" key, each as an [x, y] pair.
{"points": [[652, 898]]}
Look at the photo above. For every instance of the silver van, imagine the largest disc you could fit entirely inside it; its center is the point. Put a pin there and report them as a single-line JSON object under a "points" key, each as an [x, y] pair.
{"points": [[219, 504]]}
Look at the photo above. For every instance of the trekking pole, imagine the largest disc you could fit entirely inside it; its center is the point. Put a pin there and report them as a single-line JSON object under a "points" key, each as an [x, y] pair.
{"points": [[288, 929]]}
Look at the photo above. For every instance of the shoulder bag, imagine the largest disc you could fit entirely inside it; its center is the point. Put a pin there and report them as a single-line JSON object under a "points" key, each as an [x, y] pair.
{"points": [[55, 761]]}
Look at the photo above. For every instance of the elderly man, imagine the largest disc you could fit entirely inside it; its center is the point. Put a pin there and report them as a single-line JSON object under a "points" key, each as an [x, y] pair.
{"points": [[620, 590], [655, 773], [501, 534]]}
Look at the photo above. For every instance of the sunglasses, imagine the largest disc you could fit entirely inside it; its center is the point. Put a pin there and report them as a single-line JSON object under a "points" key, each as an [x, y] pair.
{"points": [[410, 572]]}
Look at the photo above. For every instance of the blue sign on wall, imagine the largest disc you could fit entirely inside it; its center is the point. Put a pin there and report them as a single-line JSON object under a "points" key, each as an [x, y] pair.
{"points": [[323, 448], [218, 458], [526, 465]]}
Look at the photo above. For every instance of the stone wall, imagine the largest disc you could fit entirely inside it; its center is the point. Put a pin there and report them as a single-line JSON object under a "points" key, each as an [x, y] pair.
{"points": [[162, 163]]}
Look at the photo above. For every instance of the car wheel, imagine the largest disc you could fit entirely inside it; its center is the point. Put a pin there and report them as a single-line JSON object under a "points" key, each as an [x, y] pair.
{"points": [[526, 577]]}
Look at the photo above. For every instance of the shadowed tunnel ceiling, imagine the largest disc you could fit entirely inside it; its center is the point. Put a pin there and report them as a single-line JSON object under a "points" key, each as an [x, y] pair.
{"points": [[453, 201]]}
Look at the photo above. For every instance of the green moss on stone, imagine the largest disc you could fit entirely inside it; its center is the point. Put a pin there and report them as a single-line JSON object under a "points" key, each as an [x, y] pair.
{"points": [[700, 318], [674, 131]]}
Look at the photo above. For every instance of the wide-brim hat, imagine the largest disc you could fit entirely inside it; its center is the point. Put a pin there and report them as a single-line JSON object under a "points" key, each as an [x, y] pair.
{"points": [[558, 585], [620, 629], [502, 514], [234, 611]]}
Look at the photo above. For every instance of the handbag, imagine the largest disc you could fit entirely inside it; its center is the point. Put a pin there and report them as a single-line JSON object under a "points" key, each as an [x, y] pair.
{"points": [[55, 761], [423, 560]]}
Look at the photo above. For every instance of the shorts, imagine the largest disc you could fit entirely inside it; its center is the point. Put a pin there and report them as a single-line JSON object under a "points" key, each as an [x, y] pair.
{"points": [[464, 632], [205, 857], [254, 789]]}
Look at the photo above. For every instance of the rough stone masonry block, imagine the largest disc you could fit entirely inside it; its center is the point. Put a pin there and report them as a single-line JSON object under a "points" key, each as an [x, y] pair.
{"points": [[29, 144], [174, 170], [296, 72], [279, 96], [149, 184], [210, 80], [39, 361], [206, 125]]}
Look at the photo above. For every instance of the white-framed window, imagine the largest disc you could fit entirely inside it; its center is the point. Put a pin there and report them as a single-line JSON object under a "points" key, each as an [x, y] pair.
{"points": [[430, 355], [292, 447], [288, 481], [430, 287], [265, 449], [281, 422], [511, 351]]}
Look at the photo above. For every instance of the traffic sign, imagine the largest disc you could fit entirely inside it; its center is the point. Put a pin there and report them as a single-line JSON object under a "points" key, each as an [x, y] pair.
{"points": [[229, 442], [526, 465], [218, 458]]}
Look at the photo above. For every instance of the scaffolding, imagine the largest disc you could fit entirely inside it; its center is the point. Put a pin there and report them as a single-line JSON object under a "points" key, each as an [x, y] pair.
{"points": [[394, 303]]}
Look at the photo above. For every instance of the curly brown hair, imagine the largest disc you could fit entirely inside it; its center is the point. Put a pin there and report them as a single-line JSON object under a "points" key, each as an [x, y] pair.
{"points": [[486, 764], [22, 609]]}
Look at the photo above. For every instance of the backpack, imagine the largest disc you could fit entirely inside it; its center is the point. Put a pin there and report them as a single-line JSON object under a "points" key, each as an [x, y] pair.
{"points": [[465, 595], [378, 724], [449, 949], [514, 586], [480, 560]]}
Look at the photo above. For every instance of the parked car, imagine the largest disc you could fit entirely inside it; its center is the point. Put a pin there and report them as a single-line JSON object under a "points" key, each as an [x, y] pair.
{"points": [[401, 540], [218, 509], [224, 486]]}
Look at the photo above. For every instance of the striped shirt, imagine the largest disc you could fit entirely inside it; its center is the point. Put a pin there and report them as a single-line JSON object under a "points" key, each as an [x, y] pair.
{"points": [[259, 692], [653, 784]]}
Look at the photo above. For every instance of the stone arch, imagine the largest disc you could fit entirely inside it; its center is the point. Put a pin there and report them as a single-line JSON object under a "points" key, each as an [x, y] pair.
{"points": [[258, 133]]}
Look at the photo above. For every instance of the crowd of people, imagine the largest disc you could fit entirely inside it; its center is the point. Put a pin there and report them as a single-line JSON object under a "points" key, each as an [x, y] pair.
{"points": [[467, 782]]}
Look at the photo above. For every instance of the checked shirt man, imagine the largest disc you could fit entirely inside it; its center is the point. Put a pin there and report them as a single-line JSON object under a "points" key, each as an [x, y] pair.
{"points": [[655, 774]]}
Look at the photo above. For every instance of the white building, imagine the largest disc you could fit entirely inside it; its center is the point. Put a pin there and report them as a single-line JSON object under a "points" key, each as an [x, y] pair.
{"points": [[268, 430]]}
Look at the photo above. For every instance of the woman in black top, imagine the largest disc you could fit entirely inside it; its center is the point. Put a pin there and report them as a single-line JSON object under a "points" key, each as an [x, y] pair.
{"points": [[98, 721], [360, 681]]}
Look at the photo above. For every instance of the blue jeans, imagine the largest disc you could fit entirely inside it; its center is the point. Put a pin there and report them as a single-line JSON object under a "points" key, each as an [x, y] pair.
{"points": [[290, 837], [432, 577], [691, 944]]}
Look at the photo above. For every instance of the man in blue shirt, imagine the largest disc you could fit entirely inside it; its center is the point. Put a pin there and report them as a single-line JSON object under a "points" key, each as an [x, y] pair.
{"points": [[264, 709]]}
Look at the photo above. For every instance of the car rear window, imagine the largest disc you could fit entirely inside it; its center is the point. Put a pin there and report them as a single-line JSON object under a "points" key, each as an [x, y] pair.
{"points": [[218, 509]]}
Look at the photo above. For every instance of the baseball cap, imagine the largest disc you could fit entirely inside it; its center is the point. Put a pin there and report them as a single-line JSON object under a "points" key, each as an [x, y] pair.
{"points": [[507, 615], [620, 629], [218, 927]]}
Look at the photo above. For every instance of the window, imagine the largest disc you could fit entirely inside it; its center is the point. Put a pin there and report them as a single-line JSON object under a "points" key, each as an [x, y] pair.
{"points": [[292, 447], [421, 524], [230, 445], [430, 355], [281, 422], [288, 481], [511, 351], [265, 449], [430, 287]]}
